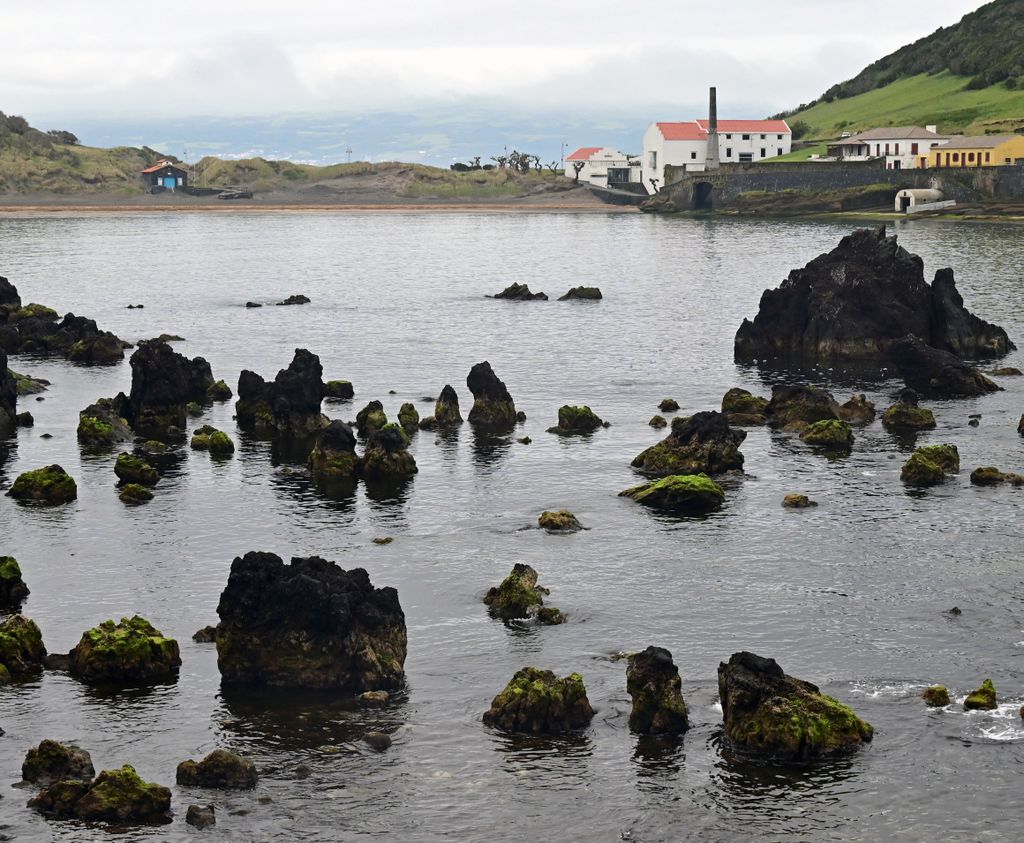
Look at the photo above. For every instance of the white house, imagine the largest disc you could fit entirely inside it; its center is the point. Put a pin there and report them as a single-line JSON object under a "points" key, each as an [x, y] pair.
{"points": [[603, 166], [686, 145], [900, 146]]}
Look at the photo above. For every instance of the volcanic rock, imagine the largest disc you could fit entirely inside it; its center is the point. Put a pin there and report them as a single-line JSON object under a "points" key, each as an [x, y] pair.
{"points": [[936, 696], [101, 426], [290, 405], [928, 466], [830, 435], [519, 596], [217, 442], [933, 372], [560, 521], [679, 494], [12, 587], [219, 391], [574, 421], [163, 383], [989, 475], [130, 652], [796, 406], [201, 816], [582, 294], [408, 418], [668, 405], [132, 469], [537, 702], [334, 453], [786, 719], [652, 680], [492, 405], [8, 397], [52, 762], [298, 298], [519, 292], [658, 422], [982, 698], [116, 796], [858, 410], [446, 410], [906, 414], [51, 485], [309, 624], [339, 390], [387, 453], [798, 502], [220, 769], [743, 408], [702, 444], [134, 494], [21, 647]]}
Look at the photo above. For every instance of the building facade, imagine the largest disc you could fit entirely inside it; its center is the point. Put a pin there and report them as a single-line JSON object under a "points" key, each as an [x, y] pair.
{"points": [[902, 147], [984, 151], [166, 175], [603, 166]]}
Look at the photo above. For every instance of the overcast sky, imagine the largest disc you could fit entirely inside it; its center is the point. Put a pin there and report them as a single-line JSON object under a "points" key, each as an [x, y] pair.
{"points": [[61, 60]]}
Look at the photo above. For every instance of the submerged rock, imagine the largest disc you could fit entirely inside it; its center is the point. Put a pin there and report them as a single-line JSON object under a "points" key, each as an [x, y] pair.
{"points": [[796, 406], [518, 596], [652, 680], [377, 740], [829, 434], [798, 502], [113, 796], [492, 405], [446, 410], [537, 702], [936, 696], [681, 494], [220, 769], [982, 698], [856, 301], [132, 651], [21, 647], [701, 444], [573, 421], [309, 624], [334, 453], [287, 406], [928, 466], [201, 816], [25, 384], [12, 587], [560, 521], [933, 372], [206, 635], [786, 719], [52, 761], [339, 390], [1006, 372], [51, 485], [101, 426], [906, 414], [387, 454], [582, 294], [989, 475], [132, 469], [519, 292], [744, 408], [858, 410]]}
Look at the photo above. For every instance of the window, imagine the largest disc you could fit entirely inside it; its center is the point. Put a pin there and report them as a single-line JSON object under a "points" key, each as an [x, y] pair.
{"points": [[693, 156], [956, 157], [652, 159], [728, 152], [746, 137], [988, 157], [970, 157], [897, 149], [728, 137], [887, 149], [763, 137], [780, 150], [780, 137], [746, 157], [913, 149], [763, 150]]}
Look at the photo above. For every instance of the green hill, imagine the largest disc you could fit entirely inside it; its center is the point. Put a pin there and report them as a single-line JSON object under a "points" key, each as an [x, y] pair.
{"points": [[964, 78]]}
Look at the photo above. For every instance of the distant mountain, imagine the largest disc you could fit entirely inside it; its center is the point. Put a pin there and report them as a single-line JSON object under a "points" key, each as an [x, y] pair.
{"points": [[966, 77]]}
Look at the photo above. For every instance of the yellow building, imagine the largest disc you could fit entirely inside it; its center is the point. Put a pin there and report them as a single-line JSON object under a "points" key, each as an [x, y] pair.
{"points": [[984, 151]]}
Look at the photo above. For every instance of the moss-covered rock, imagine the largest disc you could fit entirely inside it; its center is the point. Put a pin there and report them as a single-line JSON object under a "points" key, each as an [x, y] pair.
{"points": [[133, 494], [936, 696], [131, 651], [194, 409], [768, 713], [339, 390], [688, 494], [668, 405], [201, 816], [537, 702], [387, 454], [446, 409], [652, 680], [519, 292], [219, 391], [658, 422], [51, 485], [12, 587], [794, 501], [989, 475], [908, 417], [573, 421], [493, 407], [220, 769], [550, 616], [518, 596], [115, 796], [799, 405], [582, 294], [699, 444], [52, 761], [153, 448], [334, 453], [928, 466], [35, 311], [21, 646], [858, 410], [408, 418], [945, 456], [132, 469], [559, 521], [830, 435], [982, 698], [27, 385], [372, 417], [217, 442], [742, 407], [100, 426]]}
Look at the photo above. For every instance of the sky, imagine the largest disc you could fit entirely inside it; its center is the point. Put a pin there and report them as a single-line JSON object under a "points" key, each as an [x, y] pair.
{"points": [[449, 71]]}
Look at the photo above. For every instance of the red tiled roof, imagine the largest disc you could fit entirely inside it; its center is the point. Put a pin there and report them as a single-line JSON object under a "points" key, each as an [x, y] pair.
{"points": [[583, 153], [159, 165], [688, 131], [777, 127]]}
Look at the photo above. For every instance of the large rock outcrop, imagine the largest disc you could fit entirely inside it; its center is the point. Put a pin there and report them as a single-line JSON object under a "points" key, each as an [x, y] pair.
{"points": [[771, 714], [163, 384], [538, 702], [114, 796], [932, 371], [856, 301], [702, 444], [652, 680], [132, 651], [289, 405], [309, 624], [493, 407]]}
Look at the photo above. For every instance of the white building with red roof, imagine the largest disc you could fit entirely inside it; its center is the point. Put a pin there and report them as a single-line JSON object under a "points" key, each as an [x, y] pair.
{"points": [[686, 145], [602, 166]]}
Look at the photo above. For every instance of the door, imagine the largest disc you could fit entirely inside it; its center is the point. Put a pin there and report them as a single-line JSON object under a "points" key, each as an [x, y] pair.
{"points": [[170, 182]]}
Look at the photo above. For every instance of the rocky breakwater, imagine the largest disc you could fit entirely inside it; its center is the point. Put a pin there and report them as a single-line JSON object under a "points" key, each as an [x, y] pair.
{"points": [[309, 624], [163, 384], [493, 407], [702, 444], [287, 406], [768, 713]]}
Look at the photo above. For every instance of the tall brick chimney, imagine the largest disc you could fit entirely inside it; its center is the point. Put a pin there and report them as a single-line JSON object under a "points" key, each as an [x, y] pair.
{"points": [[712, 161]]}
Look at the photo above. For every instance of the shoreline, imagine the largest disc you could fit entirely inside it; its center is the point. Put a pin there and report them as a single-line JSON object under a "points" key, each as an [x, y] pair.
{"points": [[37, 209]]}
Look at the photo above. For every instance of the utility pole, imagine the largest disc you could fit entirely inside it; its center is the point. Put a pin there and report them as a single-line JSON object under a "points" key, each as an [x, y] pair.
{"points": [[564, 145], [348, 152]]}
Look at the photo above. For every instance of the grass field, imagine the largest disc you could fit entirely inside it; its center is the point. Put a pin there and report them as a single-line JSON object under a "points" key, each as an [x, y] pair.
{"points": [[919, 101]]}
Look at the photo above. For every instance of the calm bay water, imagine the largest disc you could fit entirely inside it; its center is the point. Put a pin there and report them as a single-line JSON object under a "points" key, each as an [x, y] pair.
{"points": [[852, 595]]}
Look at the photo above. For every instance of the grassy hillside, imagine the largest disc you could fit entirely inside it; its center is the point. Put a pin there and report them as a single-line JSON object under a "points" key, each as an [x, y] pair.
{"points": [[942, 99]]}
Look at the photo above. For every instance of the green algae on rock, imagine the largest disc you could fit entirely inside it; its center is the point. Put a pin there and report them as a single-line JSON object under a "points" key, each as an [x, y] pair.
{"points": [[114, 796], [794, 501], [538, 702], [387, 454], [408, 418], [652, 680], [493, 407], [446, 409], [905, 414], [219, 391], [12, 587], [658, 422], [688, 494], [936, 696], [52, 761], [858, 410], [133, 494], [132, 469], [217, 442], [989, 475], [372, 417], [829, 434], [668, 405], [771, 714], [334, 453], [742, 407], [51, 485], [928, 466], [982, 698], [573, 421], [21, 646], [127, 652], [339, 390], [559, 521], [518, 596], [699, 444], [220, 769]]}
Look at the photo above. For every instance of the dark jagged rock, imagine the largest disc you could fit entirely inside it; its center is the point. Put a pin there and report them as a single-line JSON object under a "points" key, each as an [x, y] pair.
{"points": [[387, 453], [12, 587], [906, 414], [309, 624], [928, 466], [132, 469], [493, 407], [560, 521], [334, 453], [290, 405], [252, 304], [858, 410], [134, 494], [217, 442], [21, 647], [446, 410], [830, 435], [206, 635], [52, 762], [201, 816], [51, 485], [8, 397], [989, 475], [519, 292], [794, 407], [574, 421], [409, 418], [101, 426], [372, 417], [679, 494], [220, 769], [163, 383], [702, 444], [982, 698], [743, 408], [771, 714], [936, 696], [933, 372], [652, 680], [10, 301], [582, 294], [35, 329], [297, 298], [24, 420], [856, 301], [538, 702], [798, 502], [339, 390], [518, 596], [130, 652], [115, 796]]}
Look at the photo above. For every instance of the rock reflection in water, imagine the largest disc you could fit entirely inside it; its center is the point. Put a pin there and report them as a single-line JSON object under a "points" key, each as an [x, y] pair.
{"points": [[490, 448]]}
